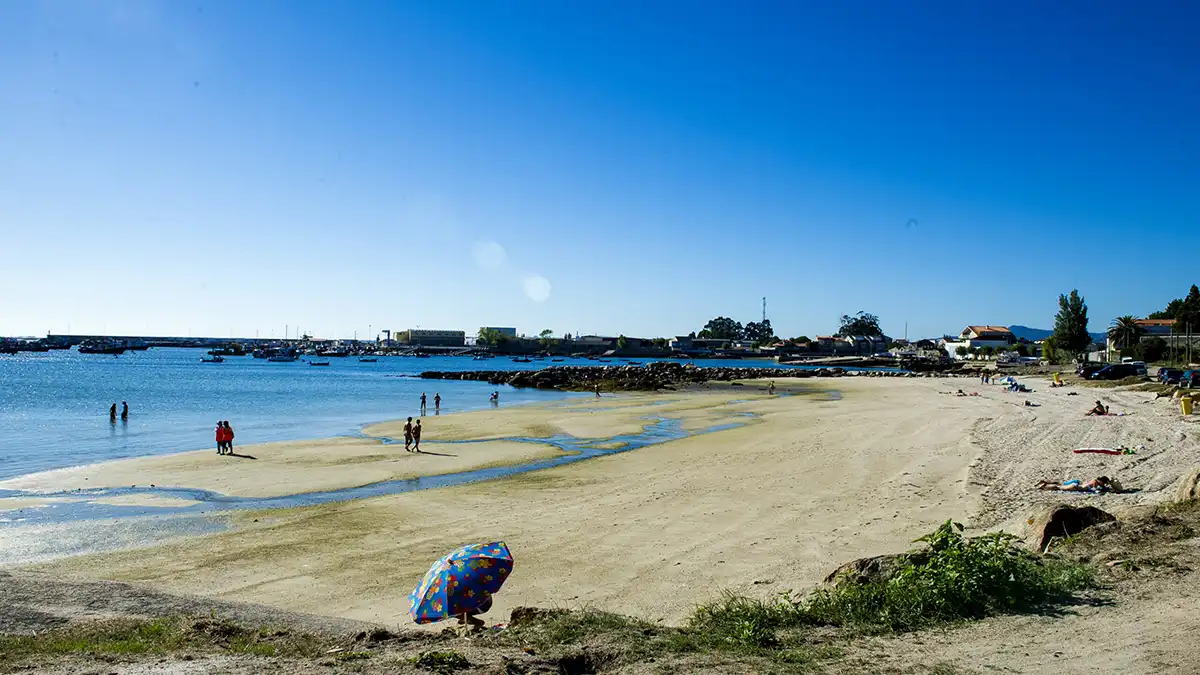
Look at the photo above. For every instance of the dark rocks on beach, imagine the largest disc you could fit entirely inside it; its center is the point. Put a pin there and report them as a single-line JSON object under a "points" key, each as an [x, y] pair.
{"points": [[874, 569], [1060, 521]]}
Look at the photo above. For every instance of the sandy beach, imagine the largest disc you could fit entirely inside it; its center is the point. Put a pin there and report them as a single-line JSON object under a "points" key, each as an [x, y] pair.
{"points": [[805, 483]]}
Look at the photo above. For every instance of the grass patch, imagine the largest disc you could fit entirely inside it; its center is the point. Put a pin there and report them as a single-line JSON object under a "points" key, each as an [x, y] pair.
{"points": [[441, 662], [132, 637]]}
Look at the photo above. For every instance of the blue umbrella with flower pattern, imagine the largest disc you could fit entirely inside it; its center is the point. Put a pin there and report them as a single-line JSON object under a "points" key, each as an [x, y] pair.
{"points": [[462, 582]]}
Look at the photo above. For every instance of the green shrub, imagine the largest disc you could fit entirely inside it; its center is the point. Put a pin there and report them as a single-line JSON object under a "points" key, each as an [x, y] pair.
{"points": [[953, 578], [958, 578]]}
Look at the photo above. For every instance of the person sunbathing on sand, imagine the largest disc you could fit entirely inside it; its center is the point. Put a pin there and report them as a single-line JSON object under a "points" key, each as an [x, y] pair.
{"points": [[1100, 484]]}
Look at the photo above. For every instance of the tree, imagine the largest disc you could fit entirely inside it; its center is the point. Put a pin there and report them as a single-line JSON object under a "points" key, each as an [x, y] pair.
{"points": [[759, 333], [1124, 331], [1050, 350], [987, 351], [622, 342], [1170, 312], [861, 323], [661, 342], [722, 328], [1187, 317], [1022, 349], [961, 350], [1070, 325], [801, 340], [973, 351], [488, 337], [545, 338]]}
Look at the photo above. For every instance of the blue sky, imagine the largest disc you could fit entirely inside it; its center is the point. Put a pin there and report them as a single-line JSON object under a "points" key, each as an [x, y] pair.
{"points": [[228, 167]]}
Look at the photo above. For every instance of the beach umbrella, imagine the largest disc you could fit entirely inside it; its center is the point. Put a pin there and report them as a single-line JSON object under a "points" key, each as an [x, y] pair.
{"points": [[461, 582]]}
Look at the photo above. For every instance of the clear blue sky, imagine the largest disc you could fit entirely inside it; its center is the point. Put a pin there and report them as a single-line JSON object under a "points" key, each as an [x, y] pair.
{"points": [[619, 167]]}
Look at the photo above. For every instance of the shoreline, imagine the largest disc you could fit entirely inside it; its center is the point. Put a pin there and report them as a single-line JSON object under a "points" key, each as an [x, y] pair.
{"points": [[758, 509]]}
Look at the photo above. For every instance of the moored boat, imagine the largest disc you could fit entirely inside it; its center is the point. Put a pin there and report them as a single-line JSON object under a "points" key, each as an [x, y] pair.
{"points": [[214, 359], [102, 347]]}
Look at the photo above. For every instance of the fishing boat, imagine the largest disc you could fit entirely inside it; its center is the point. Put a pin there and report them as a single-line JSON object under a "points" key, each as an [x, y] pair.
{"points": [[339, 353], [282, 358], [367, 359], [102, 347], [214, 359], [230, 350], [137, 345]]}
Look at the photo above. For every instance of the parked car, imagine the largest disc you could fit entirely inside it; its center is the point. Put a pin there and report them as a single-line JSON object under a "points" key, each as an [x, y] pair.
{"points": [[1086, 370], [1190, 378], [1120, 371], [1169, 375]]}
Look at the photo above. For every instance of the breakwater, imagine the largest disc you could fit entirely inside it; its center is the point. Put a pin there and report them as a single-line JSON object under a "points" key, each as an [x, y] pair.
{"points": [[648, 377]]}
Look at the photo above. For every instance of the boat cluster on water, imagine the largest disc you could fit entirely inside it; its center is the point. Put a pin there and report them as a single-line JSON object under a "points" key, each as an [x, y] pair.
{"points": [[13, 346]]}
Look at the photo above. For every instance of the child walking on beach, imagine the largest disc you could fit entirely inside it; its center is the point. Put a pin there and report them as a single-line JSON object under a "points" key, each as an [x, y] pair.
{"points": [[416, 434], [408, 435]]}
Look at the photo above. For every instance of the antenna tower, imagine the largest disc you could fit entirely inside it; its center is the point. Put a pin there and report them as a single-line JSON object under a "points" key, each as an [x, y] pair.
{"points": [[764, 309]]}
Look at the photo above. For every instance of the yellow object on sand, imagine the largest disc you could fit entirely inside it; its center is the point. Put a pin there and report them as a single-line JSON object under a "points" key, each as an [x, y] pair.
{"points": [[1185, 404], [1058, 378]]}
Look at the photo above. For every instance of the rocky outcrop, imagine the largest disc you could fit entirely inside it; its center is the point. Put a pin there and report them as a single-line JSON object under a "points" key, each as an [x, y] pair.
{"points": [[874, 569], [1189, 487], [648, 377], [1060, 520]]}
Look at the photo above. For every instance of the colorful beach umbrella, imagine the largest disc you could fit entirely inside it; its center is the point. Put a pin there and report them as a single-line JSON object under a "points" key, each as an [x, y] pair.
{"points": [[461, 582]]}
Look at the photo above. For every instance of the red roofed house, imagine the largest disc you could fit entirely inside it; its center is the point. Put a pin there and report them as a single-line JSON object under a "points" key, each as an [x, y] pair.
{"points": [[980, 337]]}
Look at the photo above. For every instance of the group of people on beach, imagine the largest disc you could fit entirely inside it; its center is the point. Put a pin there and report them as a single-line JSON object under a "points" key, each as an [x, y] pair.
{"points": [[224, 438], [437, 404], [412, 434], [112, 412]]}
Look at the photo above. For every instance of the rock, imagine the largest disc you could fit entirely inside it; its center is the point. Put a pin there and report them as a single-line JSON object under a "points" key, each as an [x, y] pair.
{"points": [[1060, 520], [526, 615], [1188, 487], [876, 568]]}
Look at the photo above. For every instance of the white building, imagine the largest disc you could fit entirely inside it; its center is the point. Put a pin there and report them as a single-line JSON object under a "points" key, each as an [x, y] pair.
{"points": [[979, 337]]}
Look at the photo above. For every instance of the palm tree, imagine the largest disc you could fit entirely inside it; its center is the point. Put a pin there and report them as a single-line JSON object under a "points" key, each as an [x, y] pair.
{"points": [[1124, 331]]}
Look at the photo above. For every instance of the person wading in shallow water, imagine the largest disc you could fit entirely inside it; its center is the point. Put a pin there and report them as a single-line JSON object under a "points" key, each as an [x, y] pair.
{"points": [[112, 413], [417, 436], [124, 410], [437, 403], [422, 403]]}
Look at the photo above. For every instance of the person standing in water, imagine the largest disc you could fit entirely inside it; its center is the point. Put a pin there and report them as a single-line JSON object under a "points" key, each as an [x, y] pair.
{"points": [[417, 436], [124, 411], [408, 435], [437, 403], [112, 413], [422, 403]]}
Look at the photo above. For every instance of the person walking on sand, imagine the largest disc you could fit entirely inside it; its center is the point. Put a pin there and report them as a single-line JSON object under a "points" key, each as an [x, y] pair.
{"points": [[408, 429], [437, 403], [422, 403], [124, 411], [417, 436], [228, 438], [112, 413], [220, 433]]}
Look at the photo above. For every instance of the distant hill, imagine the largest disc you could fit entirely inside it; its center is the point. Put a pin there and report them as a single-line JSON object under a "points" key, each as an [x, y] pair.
{"points": [[1035, 334]]}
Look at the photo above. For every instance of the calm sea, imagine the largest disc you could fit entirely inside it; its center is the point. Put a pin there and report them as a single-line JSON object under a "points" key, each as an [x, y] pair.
{"points": [[54, 405]]}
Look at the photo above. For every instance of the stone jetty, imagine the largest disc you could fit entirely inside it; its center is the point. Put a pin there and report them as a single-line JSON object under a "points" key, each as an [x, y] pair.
{"points": [[648, 377]]}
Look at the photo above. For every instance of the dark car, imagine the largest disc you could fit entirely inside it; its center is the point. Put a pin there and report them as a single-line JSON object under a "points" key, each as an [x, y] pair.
{"points": [[1190, 378], [1120, 371], [1086, 370], [1169, 375]]}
